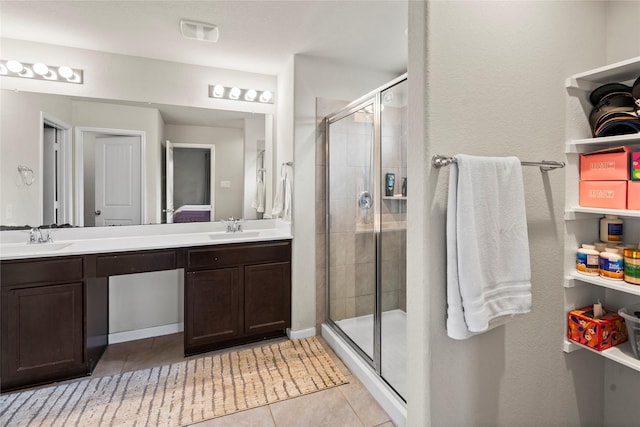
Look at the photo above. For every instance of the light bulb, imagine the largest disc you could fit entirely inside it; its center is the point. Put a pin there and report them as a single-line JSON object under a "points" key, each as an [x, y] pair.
{"points": [[65, 72], [14, 66], [266, 96], [250, 95], [40, 69], [234, 93], [218, 91]]}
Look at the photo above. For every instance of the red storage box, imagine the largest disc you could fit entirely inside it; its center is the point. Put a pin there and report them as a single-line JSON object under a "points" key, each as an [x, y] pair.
{"points": [[599, 334], [603, 194], [611, 164], [633, 195]]}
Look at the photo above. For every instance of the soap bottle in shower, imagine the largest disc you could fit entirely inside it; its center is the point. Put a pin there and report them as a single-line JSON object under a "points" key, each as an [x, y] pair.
{"points": [[390, 182], [404, 186]]}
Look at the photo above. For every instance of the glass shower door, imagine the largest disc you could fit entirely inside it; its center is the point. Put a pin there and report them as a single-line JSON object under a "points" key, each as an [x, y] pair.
{"points": [[393, 236], [351, 237]]}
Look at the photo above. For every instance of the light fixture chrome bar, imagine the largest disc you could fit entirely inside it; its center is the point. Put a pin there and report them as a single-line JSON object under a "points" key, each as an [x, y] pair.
{"points": [[439, 161], [40, 71], [238, 94]]}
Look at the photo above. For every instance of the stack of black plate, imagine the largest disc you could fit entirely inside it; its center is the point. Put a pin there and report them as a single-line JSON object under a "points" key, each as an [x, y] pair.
{"points": [[616, 109]]}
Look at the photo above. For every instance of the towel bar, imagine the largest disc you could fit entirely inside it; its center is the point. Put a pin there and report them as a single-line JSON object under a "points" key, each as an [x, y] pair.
{"points": [[439, 161]]}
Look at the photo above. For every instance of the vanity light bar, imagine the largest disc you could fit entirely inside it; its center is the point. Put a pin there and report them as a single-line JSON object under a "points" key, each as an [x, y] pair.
{"points": [[40, 71], [238, 94]]}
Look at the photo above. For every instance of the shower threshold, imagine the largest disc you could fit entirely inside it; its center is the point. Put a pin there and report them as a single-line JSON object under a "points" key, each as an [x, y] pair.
{"points": [[393, 343]]}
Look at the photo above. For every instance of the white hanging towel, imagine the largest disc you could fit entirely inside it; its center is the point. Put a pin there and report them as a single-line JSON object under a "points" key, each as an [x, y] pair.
{"points": [[259, 199], [278, 201], [488, 266], [286, 209]]}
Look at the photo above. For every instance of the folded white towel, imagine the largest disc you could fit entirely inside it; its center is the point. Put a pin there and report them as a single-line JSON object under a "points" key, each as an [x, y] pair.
{"points": [[488, 266]]}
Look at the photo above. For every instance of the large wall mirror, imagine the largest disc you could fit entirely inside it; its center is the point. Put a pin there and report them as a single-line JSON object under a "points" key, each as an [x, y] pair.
{"points": [[107, 163]]}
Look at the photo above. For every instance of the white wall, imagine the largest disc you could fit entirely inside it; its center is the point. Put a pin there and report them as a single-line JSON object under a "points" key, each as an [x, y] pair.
{"points": [[315, 78], [229, 153], [492, 82], [20, 145]]}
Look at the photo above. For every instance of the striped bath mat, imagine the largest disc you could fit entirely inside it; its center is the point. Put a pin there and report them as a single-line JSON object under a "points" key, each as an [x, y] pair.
{"points": [[182, 393]]}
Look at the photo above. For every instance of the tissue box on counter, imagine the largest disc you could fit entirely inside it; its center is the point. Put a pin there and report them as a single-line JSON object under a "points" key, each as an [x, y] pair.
{"points": [[633, 195], [603, 194], [611, 164], [599, 334]]}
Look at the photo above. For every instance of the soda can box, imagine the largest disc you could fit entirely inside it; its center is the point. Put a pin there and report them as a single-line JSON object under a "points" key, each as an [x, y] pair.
{"points": [[635, 166]]}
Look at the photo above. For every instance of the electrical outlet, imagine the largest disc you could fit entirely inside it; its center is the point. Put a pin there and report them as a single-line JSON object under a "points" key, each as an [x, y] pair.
{"points": [[225, 184]]}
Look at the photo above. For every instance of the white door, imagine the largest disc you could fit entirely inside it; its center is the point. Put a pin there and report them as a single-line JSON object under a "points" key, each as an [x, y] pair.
{"points": [[49, 176], [169, 182], [118, 181]]}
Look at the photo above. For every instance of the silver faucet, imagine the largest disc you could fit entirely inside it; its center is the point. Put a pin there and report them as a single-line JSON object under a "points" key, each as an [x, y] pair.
{"points": [[233, 225], [36, 236]]}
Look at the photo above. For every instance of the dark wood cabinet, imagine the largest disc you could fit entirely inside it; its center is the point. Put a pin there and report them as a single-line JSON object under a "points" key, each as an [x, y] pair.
{"points": [[236, 293], [54, 311], [43, 335]]}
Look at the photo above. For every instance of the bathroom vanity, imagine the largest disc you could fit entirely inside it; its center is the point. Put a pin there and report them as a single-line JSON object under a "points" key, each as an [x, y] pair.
{"points": [[55, 316]]}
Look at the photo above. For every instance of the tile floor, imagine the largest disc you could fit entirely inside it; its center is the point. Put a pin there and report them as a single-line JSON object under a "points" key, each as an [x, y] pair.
{"points": [[349, 405]]}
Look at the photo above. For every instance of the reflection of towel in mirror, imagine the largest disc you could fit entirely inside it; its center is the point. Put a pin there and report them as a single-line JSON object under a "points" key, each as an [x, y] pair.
{"points": [[258, 201], [488, 266], [282, 201]]}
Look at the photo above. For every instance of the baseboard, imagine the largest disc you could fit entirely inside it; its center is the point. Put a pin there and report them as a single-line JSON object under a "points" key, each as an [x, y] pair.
{"points": [[381, 392], [301, 334], [139, 334]]}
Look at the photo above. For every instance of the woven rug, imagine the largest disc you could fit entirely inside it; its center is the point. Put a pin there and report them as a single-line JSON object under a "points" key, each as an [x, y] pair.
{"points": [[182, 393]]}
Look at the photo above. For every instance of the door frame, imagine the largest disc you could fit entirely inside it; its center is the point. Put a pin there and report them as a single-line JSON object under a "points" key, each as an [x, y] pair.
{"points": [[212, 173], [65, 208], [79, 154]]}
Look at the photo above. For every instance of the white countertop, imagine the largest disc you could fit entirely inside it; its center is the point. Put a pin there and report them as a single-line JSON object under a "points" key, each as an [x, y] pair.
{"points": [[90, 240]]}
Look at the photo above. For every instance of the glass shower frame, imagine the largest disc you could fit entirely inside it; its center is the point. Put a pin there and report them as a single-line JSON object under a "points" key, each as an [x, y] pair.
{"points": [[372, 102]]}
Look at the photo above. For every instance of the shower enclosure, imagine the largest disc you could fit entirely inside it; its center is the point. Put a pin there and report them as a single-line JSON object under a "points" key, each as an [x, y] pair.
{"points": [[366, 201]]}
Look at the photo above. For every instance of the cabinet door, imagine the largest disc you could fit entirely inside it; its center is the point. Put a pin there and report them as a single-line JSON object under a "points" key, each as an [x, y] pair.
{"points": [[44, 335], [212, 306], [267, 289]]}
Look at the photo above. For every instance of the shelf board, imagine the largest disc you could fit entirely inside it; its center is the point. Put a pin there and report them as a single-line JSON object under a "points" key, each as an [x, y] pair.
{"points": [[581, 145], [621, 353], [573, 213], [394, 197], [619, 71], [618, 285]]}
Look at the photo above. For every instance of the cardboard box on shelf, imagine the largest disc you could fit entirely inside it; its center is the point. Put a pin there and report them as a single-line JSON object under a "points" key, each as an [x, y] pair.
{"points": [[603, 194], [600, 334], [611, 164], [633, 195]]}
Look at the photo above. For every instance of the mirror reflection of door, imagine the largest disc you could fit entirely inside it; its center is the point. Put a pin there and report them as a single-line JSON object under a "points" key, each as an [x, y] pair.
{"points": [[56, 171], [117, 181], [110, 180], [190, 172]]}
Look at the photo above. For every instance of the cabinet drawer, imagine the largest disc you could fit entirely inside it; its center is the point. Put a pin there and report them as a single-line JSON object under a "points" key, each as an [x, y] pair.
{"points": [[137, 262], [45, 270], [240, 254]]}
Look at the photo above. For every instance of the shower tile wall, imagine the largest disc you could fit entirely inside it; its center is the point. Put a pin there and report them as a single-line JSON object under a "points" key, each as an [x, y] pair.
{"points": [[353, 277]]}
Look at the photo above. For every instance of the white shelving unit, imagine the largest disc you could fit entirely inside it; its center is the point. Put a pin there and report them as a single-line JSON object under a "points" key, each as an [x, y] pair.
{"points": [[582, 223]]}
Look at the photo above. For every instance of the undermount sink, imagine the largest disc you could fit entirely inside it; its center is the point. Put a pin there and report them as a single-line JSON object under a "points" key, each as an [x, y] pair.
{"points": [[236, 235], [34, 248]]}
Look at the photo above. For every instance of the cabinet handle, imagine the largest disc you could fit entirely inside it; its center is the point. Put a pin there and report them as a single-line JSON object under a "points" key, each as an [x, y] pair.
{"points": [[215, 258]]}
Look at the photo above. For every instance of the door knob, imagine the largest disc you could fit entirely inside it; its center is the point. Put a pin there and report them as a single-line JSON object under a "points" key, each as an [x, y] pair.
{"points": [[97, 212]]}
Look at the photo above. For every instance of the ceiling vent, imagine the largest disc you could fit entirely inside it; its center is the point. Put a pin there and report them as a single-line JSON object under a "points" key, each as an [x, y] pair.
{"points": [[199, 31]]}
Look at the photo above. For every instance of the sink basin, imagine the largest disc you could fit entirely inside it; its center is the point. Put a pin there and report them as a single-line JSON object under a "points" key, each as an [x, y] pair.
{"points": [[33, 248], [233, 236]]}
